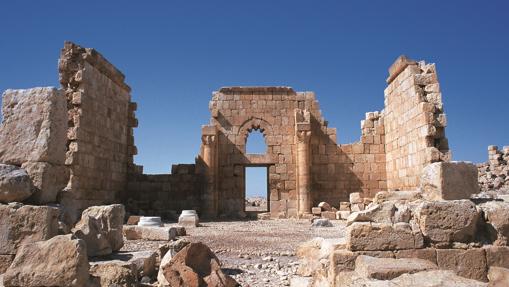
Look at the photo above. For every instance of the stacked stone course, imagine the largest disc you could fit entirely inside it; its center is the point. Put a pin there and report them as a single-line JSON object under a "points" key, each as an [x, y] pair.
{"points": [[494, 174]]}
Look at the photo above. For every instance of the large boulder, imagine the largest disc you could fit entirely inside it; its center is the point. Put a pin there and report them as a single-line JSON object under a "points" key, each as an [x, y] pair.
{"points": [[15, 184], [34, 126], [449, 181], [89, 230], [195, 266], [390, 268], [33, 135], [111, 219], [366, 236], [496, 214], [444, 222], [21, 224], [59, 261]]}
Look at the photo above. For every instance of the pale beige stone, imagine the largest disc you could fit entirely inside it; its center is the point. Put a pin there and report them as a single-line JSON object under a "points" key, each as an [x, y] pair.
{"points": [[496, 214], [23, 224], [449, 181], [444, 222], [111, 274], [389, 268], [48, 179], [498, 277], [378, 236], [403, 195], [111, 220], [59, 261], [379, 213], [355, 197], [134, 232]]}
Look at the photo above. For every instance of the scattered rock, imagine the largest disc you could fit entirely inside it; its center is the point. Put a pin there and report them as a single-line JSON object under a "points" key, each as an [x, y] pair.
{"points": [[403, 195], [89, 230], [321, 222], [59, 261], [111, 220], [196, 265], [324, 206], [111, 274]]}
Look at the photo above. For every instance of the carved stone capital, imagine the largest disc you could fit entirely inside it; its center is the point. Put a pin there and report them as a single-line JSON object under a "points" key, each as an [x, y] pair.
{"points": [[303, 136], [208, 139]]}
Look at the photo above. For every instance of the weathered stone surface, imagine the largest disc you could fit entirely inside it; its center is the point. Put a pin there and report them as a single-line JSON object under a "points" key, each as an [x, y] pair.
{"points": [[497, 256], [189, 218], [5, 262], [167, 252], [379, 213], [48, 179], [59, 261], [496, 214], [498, 276], [316, 211], [21, 224], [15, 184], [89, 230], [313, 251], [449, 181], [196, 265], [111, 220], [470, 263], [133, 220], [448, 221], [379, 236], [331, 215], [355, 197], [300, 281], [389, 268], [403, 195], [112, 274], [428, 254], [134, 232], [142, 263], [34, 126]]}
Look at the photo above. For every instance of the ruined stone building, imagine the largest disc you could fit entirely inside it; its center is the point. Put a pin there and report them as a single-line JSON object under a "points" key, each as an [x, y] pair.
{"points": [[79, 146]]}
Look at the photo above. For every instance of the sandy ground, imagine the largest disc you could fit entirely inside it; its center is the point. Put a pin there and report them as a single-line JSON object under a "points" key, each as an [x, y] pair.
{"points": [[258, 252]]}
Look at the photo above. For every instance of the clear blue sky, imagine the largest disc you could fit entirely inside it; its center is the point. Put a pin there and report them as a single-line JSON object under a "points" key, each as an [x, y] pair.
{"points": [[175, 53]]}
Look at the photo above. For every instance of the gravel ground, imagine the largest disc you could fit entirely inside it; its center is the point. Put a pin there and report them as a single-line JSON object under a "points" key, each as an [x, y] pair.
{"points": [[255, 253]]}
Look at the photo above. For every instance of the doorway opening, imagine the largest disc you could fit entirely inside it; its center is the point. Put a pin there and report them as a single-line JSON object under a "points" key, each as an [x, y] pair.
{"points": [[256, 189]]}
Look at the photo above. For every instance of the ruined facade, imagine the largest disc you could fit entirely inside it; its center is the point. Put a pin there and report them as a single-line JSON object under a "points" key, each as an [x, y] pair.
{"points": [[305, 163]]}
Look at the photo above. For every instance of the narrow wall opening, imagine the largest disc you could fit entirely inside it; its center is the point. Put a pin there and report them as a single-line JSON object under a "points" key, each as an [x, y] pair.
{"points": [[257, 191], [255, 143]]}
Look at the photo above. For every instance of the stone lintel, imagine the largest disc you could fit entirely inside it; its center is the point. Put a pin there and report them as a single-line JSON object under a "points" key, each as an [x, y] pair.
{"points": [[399, 66], [208, 130], [258, 90], [303, 126]]}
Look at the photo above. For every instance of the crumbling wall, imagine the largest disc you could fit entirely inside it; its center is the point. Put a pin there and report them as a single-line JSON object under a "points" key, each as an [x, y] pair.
{"points": [[101, 119], [494, 174], [414, 122], [165, 195]]}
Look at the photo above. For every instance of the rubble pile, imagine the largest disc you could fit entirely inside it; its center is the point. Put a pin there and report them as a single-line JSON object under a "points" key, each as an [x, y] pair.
{"points": [[494, 174]]}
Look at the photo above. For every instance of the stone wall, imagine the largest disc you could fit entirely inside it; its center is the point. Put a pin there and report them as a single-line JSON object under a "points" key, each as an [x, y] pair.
{"points": [[165, 195], [101, 119], [494, 174], [414, 122]]}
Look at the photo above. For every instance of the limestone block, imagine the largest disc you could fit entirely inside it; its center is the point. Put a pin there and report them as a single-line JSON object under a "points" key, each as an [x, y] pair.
{"points": [[498, 277], [355, 207], [134, 232], [444, 222], [34, 126], [111, 220], [59, 261], [389, 268], [379, 236], [15, 184], [133, 220], [23, 224], [496, 213], [470, 263], [89, 230], [497, 256], [344, 214], [379, 213], [331, 215], [355, 197], [172, 249], [449, 181], [429, 254], [316, 211], [403, 195], [442, 278], [48, 179], [344, 206], [311, 252], [142, 263]]}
